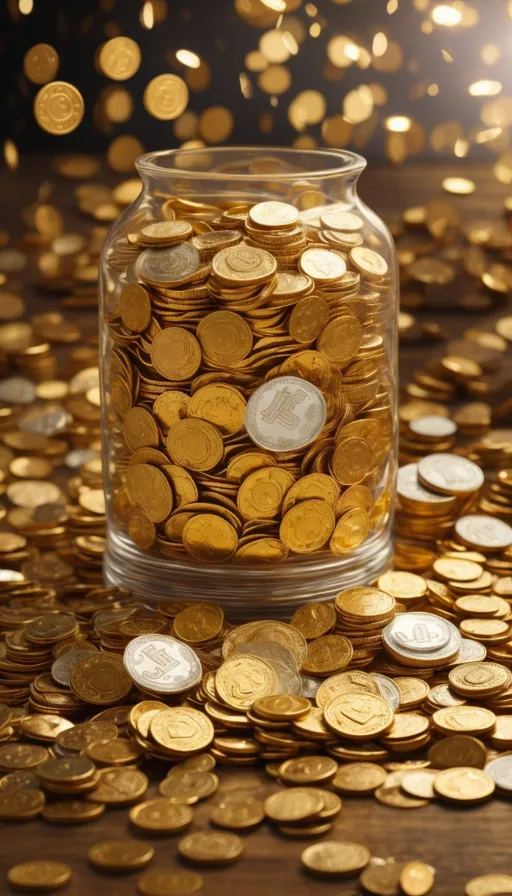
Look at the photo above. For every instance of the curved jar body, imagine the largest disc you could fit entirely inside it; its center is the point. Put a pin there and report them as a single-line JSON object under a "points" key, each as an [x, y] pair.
{"points": [[248, 345]]}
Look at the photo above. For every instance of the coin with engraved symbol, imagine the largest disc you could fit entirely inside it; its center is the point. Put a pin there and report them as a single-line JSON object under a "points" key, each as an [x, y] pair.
{"points": [[285, 414], [162, 664]]}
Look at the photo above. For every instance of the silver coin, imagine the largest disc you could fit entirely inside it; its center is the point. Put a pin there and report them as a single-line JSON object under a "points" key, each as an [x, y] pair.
{"points": [[441, 695], [46, 420], [168, 266], [17, 390], [162, 664], [410, 488], [450, 474], [433, 426], [61, 668], [79, 456], [422, 637], [470, 652], [500, 770], [285, 414], [309, 686], [388, 690], [484, 532]]}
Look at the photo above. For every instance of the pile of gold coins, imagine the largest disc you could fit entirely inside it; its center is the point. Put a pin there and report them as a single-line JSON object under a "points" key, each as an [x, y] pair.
{"points": [[229, 328], [399, 691]]}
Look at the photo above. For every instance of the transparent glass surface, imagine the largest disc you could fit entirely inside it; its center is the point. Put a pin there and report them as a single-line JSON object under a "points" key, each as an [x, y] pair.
{"points": [[191, 523]]}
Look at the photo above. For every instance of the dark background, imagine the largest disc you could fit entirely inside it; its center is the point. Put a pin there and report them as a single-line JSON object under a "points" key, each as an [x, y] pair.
{"points": [[214, 30]]}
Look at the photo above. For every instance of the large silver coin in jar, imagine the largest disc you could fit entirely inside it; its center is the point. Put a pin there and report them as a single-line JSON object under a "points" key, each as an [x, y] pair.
{"points": [[285, 414]]}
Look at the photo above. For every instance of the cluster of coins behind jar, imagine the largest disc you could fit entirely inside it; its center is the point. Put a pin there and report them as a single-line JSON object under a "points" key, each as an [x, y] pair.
{"points": [[249, 410]]}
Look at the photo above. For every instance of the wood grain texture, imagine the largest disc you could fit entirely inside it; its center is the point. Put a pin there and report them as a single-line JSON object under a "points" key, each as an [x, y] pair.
{"points": [[459, 843]]}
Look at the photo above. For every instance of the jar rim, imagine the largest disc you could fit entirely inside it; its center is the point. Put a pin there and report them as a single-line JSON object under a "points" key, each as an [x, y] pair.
{"points": [[330, 163]]}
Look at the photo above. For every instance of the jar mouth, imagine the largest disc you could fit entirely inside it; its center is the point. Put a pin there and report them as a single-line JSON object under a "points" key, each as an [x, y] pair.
{"points": [[251, 163]]}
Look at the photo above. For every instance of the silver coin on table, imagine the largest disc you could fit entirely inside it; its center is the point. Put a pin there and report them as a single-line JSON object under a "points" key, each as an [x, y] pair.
{"points": [[422, 637], [285, 414], [483, 532], [388, 690], [500, 770], [161, 664], [450, 474]]}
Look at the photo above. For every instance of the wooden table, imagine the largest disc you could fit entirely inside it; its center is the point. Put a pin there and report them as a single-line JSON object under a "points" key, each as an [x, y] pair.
{"points": [[460, 843]]}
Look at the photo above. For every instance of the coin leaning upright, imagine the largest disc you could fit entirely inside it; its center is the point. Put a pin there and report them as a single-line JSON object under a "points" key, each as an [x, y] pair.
{"points": [[162, 664]]}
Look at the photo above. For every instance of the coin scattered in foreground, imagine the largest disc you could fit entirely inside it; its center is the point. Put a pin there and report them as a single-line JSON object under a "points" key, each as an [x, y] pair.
{"points": [[175, 883], [211, 848], [120, 856], [335, 859], [39, 876]]}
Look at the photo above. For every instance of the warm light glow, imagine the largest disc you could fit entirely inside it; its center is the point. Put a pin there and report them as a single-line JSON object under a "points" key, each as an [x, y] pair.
{"points": [[290, 43], [310, 9], [398, 123], [187, 57], [446, 15], [447, 56], [433, 89], [461, 148], [392, 7], [352, 52], [147, 15], [490, 54], [485, 88], [26, 7], [315, 29], [276, 5], [380, 44], [487, 135], [245, 85]]}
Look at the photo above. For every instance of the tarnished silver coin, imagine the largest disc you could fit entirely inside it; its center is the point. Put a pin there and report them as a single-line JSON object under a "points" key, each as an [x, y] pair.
{"points": [[500, 770], [17, 390], [388, 690], [61, 668], [409, 488], [161, 664], [450, 474], [285, 414], [422, 637], [433, 426], [487, 533], [168, 266], [470, 652]]}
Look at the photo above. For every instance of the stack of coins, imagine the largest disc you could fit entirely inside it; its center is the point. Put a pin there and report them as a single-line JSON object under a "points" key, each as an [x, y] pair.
{"points": [[250, 408], [362, 613]]}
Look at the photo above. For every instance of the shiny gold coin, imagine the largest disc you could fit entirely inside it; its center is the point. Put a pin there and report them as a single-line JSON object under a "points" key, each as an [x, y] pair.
{"points": [[308, 319], [149, 488], [21, 805], [140, 429], [242, 265], [41, 63], [322, 265], [221, 405], [297, 804], [479, 679], [181, 730], [161, 816], [307, 526], [368, 262], [240, 816], [417, 879], [119, 787], [282, 707], [120, 855], [119, 58], [308, 770], [464, 719], [456, 749], [351, 461], [166, 97], [314, 620], [39, 876], [100, 679], [225, 337], [72, 811], [335, 858], [350, 531], [59, 108], [175, 353], [464, 785], [327, 655], [358, 778], [170, 407], [135, 307], [242, 679], [188, 786], [343, 682], [273, 215], [358, 716], [341, 339], [195, 444], [209, 538], [15, 757], [79, 736], [261, 493], [211, 848]]}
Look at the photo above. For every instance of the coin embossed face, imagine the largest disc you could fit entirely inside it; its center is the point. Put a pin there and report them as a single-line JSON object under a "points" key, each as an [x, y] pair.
{"points": [[285, 414], [162, 664]]}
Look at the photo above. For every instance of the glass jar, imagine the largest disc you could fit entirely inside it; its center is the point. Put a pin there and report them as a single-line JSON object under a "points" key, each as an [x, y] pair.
{"points": [[249, 305]]}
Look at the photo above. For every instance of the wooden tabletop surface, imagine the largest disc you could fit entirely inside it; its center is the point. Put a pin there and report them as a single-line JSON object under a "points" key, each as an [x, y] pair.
{"points": [[459, 843]]}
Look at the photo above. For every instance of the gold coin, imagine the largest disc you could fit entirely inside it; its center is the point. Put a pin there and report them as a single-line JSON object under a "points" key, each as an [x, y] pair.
{"points": [[175, 353], [322, 265], [489, 885], [419, 783], [198, 623], [100, 679], [364, 602], [39, 875], [119, 58], [403, 586], [135, 307], [458, 749], [169, 883], [359, 778], [343, 682], [72, 811], [187, 786], [21, 805], [239, 265], [119, 787], [31, 493], [41, 63], [368, 262], [417, 879], [273, 215], [14, 757], [479, 679], [307, 526], [168, 267], [261, 493], [464, 720], [120, 855], [79, 736], [170, 407], [327, 655], [115, 752], [335, 858], [221, 405], [464, 785], [181, 730], [59, 107], [308, 770], [161, 816], [282, 707], [141, 529], [166, 97], [297, 804], [358, 716], [351, 461], [242, 815], [209, 538], [211, 847], [195, 444], [242, 679], [308, 319], [149, 489], [350, 531], [75, 769], [225, 337], [314, 619], [314, 485], [340, 340], [140, 429]]}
